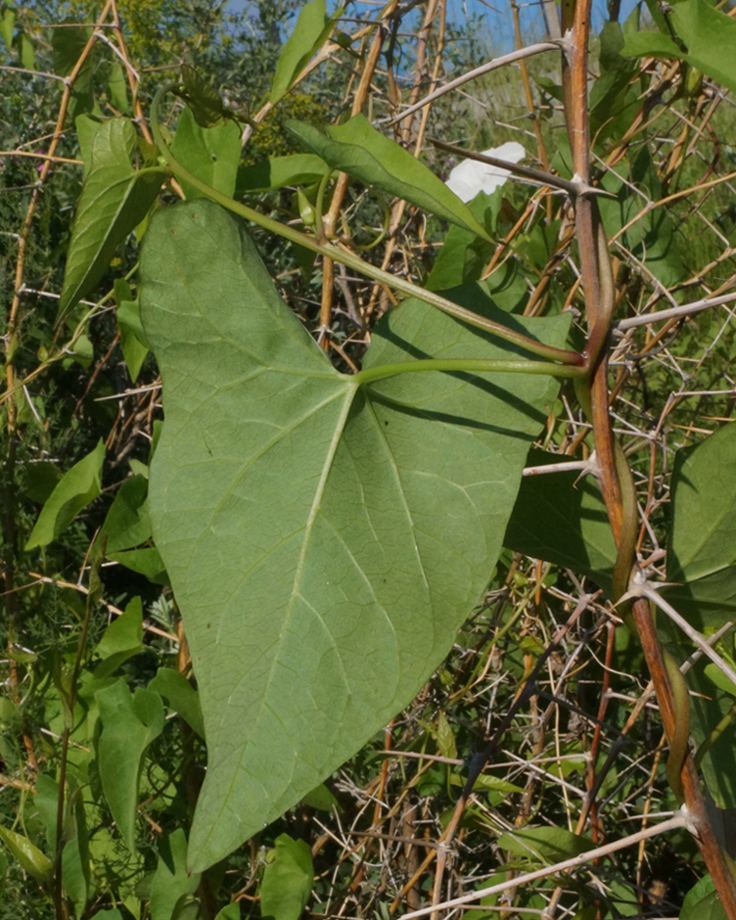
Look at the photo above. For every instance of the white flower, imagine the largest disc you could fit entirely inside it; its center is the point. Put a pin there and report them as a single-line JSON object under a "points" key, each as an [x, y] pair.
{"points": [[470, 177]]}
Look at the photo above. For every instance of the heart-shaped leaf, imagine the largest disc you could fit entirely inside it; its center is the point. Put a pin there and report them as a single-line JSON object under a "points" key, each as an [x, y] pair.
{"points": [[325, 539]]}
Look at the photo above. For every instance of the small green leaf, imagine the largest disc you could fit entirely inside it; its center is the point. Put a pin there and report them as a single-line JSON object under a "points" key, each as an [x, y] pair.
{"points": [[278, 172], [172, 884], [128, 523], [40, 479], [203, 99], [115, 198], [651, 44], [487, 782], [132, 337], [464, 255], [310, 33], [701, 555], [561, 518], [364, 153], [87, 127], [68, 43], [180, 695], [130, 722], [77, 488], [27, 51], [31, 859], [122, 639], [714, 674], [545, 844], [145, 561], [321, 799], [7, 21], [117, 88], [47, 803], [231, 912], [75, 855], [702, 902], [445, 737], [211, 154], [708, 36], [287, 881]]}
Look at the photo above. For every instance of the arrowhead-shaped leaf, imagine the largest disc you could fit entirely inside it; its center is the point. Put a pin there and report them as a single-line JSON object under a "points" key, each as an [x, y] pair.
{"points": [[311, 32], [130, 722], [364, 153], [325, 540], [708, 37], [115, 198], [77, 488]]}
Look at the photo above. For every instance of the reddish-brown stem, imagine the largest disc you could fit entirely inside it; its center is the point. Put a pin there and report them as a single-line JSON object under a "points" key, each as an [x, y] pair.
{"points": [[599, 299]]}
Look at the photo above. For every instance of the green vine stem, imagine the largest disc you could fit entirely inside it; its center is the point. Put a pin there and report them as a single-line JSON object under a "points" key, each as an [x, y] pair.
{"points": [[350, 260], [466, 365]]}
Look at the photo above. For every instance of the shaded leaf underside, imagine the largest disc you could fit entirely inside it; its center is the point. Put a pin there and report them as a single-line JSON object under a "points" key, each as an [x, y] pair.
{"points": [[324, 540]]}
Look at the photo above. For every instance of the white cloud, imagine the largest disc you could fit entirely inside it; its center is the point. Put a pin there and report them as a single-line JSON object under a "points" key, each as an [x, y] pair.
{"points": [[470, 177]]}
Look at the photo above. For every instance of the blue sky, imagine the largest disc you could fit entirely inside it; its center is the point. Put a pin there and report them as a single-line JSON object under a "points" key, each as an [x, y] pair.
{"points": [[494, 17]]}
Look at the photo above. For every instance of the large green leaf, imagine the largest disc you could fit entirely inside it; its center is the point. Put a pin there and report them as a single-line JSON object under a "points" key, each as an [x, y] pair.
{"points": [[115, 198], [701, 557], [364, 153], [708, 36], [77, 488], [325, 540]]}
